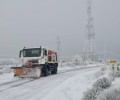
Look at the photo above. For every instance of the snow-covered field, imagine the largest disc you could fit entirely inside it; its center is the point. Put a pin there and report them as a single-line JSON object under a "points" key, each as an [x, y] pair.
{"points": [[68, 84], [6, 64]]}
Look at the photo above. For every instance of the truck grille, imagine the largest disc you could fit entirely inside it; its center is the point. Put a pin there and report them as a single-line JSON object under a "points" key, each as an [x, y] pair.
{"points": [[33, 61]]}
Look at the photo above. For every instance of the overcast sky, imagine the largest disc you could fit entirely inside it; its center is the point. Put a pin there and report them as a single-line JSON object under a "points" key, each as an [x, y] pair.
{"points": [[32, 23]]}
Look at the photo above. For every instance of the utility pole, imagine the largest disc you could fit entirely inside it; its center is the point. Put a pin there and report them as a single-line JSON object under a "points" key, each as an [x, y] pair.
{"points": [[90, 52], [58, 47]]}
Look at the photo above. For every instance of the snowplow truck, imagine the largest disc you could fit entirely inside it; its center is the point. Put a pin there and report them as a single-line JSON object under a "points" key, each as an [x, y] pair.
{"points": [[36, 62]]}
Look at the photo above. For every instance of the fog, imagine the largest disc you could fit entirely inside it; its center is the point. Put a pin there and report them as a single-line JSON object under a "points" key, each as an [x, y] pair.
{"points": [[32, 23]]}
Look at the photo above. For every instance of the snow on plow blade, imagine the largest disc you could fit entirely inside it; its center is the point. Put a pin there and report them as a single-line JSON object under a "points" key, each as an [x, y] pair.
{"points": [[27, 72]]}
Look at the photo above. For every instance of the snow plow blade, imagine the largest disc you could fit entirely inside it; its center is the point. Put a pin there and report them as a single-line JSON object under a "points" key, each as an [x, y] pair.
{"points": [[27, 72]]}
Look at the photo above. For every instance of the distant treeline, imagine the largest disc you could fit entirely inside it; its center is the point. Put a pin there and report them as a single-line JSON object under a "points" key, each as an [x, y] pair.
{"points": [[9, 61]]}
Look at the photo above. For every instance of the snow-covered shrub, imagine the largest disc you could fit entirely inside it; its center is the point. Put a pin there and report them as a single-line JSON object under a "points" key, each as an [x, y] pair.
{"points": [[102, 83], [103, 68], [98, 87], [76, 60], [117, 74], [91, 94], [99, 73], [112, 78], [110, 94], [70, 64]]}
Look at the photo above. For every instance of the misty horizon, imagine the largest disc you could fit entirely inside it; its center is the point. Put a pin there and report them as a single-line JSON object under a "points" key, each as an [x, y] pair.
{"points": [[37, 23]]}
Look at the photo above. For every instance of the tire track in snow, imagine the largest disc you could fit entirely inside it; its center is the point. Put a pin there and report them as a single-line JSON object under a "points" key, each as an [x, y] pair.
{"points": [[46, 85], [19, 82], [74, 69], [9, 82], [12, 84]]}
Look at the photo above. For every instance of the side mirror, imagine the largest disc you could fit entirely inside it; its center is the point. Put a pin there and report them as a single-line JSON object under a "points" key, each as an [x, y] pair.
{"points": [[20, 53]]}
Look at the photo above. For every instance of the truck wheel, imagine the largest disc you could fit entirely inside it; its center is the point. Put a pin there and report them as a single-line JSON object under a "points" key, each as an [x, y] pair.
{"points": [[54, 71], [45, 73]]}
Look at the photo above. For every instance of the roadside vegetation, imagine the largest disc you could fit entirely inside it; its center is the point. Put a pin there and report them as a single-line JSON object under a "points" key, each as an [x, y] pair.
{"points": [[103, 89]]}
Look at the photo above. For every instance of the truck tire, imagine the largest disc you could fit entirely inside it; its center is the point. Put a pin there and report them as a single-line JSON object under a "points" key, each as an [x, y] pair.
{"points": [[55, 70], [45, 72]]}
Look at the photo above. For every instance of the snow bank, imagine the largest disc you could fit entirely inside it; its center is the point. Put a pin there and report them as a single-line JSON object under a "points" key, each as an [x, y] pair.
{"points": [[6, 77], [7, 63], [70, 66]]}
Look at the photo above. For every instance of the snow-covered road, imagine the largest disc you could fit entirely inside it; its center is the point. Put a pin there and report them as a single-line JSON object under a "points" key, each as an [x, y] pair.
{"points": [[66, 85]]}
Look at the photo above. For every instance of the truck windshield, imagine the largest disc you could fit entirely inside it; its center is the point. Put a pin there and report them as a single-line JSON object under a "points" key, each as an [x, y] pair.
{"points": [[32, 52]]}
